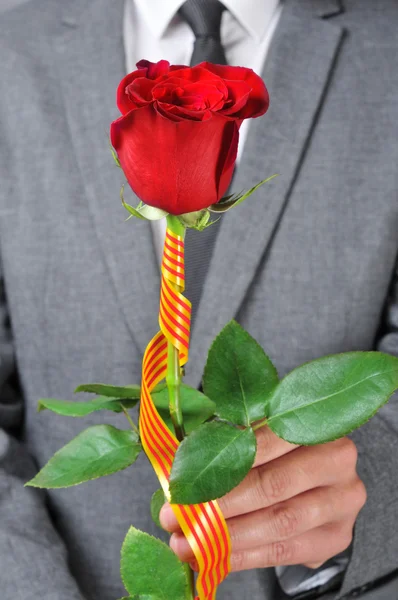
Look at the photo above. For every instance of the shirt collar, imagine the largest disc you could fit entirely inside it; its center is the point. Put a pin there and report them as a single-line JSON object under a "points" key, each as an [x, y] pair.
{"points": [[158, 13], [253, 15]]}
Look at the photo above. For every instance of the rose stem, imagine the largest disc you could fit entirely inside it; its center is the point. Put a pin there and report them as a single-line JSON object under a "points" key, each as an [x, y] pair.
{"points": [[173, 376], [173, 380], [191, 579]]}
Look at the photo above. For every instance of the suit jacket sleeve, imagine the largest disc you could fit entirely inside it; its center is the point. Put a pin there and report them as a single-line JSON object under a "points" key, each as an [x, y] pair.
{"points": [[375, 547], [33, 557]]}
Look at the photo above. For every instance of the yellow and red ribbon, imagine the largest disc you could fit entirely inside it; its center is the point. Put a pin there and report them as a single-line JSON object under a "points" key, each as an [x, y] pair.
{"points": [[203, 524]]}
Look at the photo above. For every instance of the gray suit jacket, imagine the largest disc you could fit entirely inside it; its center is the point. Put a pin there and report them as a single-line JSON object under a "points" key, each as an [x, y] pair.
{"points": [[305, 266]]}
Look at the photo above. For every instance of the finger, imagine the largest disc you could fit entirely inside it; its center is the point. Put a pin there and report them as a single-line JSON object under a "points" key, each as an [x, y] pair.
{"points": [[286, 520], [294, 517], [314, 547], [167, 519], [270, 446], [294, 473]]}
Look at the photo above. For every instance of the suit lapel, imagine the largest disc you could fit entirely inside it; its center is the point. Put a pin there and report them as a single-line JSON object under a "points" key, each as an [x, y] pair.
{"points": [[91, 63], [297, 71]]}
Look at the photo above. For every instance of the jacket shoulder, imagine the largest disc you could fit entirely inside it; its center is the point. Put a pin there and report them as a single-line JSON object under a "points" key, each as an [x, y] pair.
{"points": [[374, 20]]}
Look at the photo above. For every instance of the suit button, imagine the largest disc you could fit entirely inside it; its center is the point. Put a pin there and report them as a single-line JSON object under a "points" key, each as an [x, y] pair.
{"points": [[364, 588], [356, 592]]}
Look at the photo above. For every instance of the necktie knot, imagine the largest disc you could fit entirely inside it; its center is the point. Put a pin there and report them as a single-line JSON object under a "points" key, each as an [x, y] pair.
{"points": [[203, 16]]}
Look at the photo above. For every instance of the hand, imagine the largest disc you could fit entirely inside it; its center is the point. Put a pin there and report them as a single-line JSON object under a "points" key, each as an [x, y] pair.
{"points": [[298, 505]]}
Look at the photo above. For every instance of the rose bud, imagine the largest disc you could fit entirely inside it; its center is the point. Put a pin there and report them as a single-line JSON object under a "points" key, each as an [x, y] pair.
{"points": [[177, 138]]}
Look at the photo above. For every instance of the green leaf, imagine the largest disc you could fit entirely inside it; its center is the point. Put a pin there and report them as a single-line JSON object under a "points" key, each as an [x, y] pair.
{"points": [[211, 462], [329, 397], [239, 376], [68, 408], [140, 597], [235, 199], [157, 501], [111, 391], [149, 567], [97, 451], [196, 407]]}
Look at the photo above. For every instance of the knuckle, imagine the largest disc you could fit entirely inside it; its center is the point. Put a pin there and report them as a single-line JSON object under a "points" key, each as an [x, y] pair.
{"points": [[257, 487], [360, 494], [346, 540], [313, 565], [275, 483], [345, 536], [349, 452], [238, 561], [286, 521], [224, 505], [280, 553], [264, 440]]}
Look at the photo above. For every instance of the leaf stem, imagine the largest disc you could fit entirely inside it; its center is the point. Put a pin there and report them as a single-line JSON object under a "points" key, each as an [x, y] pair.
{"points": [[130, 420], [259, 424]]}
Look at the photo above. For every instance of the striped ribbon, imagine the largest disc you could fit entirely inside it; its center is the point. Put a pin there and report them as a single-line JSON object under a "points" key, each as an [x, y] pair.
{"points": [[203, 524]]}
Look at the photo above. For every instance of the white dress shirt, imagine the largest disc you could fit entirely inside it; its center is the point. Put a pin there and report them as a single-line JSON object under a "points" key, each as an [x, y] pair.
{"points": [[153, 30]]}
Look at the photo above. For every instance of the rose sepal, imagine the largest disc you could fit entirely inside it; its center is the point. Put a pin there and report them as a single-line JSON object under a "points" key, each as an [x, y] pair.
{"points": [[233, 200], [143, 211], [115, 157], [198, 220]]}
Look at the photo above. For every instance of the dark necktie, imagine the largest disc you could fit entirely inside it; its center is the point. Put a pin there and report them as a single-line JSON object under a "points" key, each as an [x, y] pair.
{"points": [[204, 18]]}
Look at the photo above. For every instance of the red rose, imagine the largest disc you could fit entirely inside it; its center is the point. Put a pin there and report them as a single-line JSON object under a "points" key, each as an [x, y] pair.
{"points": [[178, 135]]}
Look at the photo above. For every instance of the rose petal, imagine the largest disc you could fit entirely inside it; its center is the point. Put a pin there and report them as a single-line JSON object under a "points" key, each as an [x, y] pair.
{"points": [[154, 70], [160, 158], [123, 100], [238, 94], [167, 92], [178, 67], [183, 113], [258, 102], [229, 151], [194, 96], [192, 74], [139, 91], [165, 110], [202, 95], [213, 94]]}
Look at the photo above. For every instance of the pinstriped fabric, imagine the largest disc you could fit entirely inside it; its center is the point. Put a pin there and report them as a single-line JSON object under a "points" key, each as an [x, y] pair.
{"points": [[203, 16], [203, 524]]}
